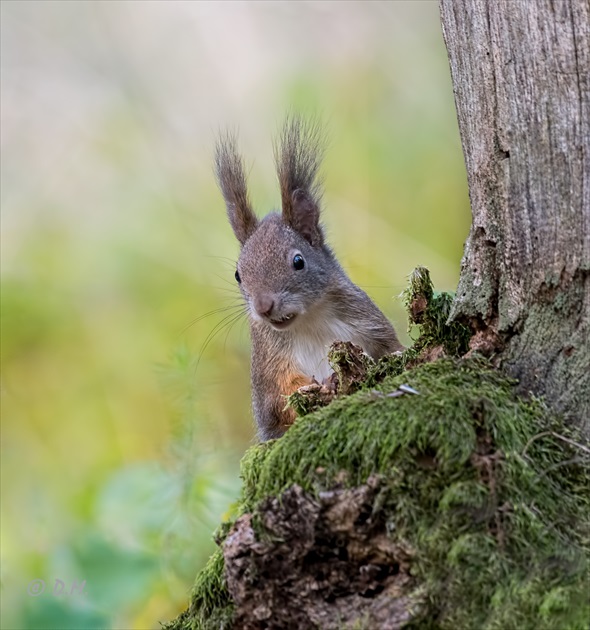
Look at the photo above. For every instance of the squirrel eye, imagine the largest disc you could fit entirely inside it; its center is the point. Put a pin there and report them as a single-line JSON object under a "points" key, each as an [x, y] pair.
{"points": [[237, 277], [298, 262]]}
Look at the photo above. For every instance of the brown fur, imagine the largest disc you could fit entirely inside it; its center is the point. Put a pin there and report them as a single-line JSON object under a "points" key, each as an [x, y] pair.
{"points": [[294, 313], [229, 169]]}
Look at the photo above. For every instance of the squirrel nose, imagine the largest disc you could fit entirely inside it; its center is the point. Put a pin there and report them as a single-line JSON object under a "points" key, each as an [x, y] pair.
{"points": [[264, 305]]}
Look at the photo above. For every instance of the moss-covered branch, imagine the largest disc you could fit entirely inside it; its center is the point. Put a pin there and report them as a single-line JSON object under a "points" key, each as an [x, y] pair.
{"points": [[431, 497]]}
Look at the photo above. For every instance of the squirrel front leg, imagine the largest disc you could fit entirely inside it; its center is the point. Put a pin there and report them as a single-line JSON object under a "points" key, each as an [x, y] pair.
{"points": [[272, 382]]}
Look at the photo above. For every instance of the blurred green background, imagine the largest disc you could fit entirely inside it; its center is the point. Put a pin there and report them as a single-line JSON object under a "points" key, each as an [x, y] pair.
{"points": [[123, 416]]}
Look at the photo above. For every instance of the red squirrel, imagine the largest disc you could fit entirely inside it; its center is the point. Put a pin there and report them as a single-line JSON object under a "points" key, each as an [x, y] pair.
{"points": [[298, 298]]}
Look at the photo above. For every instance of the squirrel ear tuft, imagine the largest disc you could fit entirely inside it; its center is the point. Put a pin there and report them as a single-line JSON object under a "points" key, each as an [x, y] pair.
{"points": [[298, 155], [305, 217], [231, 178]]}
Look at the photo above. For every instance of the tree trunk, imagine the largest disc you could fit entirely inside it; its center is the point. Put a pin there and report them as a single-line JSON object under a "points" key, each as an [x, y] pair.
{"points": [[521, 77]]}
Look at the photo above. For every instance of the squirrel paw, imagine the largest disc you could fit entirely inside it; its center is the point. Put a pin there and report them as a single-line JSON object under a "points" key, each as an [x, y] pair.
{"points": [[316, 395]]}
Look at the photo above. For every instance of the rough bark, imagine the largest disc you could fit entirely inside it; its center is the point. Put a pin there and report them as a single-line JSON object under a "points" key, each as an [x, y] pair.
{"points": [[521, 81], [330, 558]]}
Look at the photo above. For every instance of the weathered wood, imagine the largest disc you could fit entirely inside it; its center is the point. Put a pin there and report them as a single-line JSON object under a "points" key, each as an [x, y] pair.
{"points": [[521, 79]]}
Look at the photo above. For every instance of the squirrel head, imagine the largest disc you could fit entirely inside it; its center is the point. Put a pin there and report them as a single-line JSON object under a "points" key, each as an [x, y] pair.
{"points": [[284, 268]]}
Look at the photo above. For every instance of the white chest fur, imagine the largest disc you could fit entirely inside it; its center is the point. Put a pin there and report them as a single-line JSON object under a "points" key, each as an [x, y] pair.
{"points": [[311, 344]]}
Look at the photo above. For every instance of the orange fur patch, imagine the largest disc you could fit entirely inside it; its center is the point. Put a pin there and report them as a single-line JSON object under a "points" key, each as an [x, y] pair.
{"points": [[289, 382]]}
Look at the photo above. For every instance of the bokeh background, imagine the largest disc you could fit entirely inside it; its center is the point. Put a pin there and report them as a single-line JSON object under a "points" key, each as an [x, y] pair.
{"points": [[125, 407]]}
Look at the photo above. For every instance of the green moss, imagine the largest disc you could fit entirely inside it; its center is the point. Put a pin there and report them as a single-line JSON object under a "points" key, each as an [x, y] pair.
{"points": [[476, 481], [307, 400], [431, 312], [490, 491], [211, 607]]}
